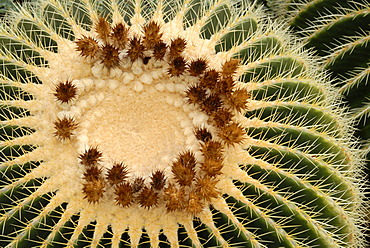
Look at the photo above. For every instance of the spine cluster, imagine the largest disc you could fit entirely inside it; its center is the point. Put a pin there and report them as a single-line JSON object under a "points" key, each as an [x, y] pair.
{"points": [[193, 183], [190, 190], [96, 182]]}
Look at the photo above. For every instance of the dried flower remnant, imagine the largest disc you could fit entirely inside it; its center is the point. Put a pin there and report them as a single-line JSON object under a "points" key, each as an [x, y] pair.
{"points": [[177, 66], [103, 29], [211, 104], [136, 49], [195, 203], [152, 35], [158, 180], [119, 36], [212, 167], [117, 174], [203, 134], [206, 188], [184, 168], [175, 198], [195, 94], [197, 67], [93, 190], [177, 46], [88, 46], [110, 56], [65, 91], [159, 50], [225, 86], [124, 194], [232, 134], [64, 128], [92, 173], [229, 67], [90, 157], [209, 79], [138, 184], [239, 100], [148, 198], [222, 117], [212, 150]]}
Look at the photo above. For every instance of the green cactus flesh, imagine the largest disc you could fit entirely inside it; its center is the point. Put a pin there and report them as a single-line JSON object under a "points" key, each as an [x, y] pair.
{"points": [[338, 31], [204, 124]]}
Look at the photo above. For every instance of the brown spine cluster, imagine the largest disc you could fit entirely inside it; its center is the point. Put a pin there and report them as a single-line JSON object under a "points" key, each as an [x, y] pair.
{"points": [[213, 158], [177, 46], [119, 36], [177, 66], [197, 67], [202, 134], [114, 39], [138, 184], [158, 180], [222, 117], [174, 197], [215, 94], [103, 29], [126, 191], [159, 50], [184, 168], [229, 67], [90, 157], [64, 128], [93, 190], [206, 187], [195, 203], [88, 46], [124, 194], [65, 91], [117, 174], [195, 94], [209, 79], [232, 134], [92, 172], [238, 100], [211, 104], [109, 56], [94, 183], [152, 35], [136, 49], [148, 197]]}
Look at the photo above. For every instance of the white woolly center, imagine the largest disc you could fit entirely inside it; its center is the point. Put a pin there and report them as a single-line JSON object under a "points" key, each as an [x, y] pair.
{"points": [[138, 128]]}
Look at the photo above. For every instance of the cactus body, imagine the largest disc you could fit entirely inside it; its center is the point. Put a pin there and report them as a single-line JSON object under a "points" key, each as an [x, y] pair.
{"points": [[169, 123], [338, 31]]}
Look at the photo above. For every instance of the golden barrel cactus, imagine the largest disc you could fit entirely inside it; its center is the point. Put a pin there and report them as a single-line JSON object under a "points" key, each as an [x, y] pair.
{"points": [[170, 124]]}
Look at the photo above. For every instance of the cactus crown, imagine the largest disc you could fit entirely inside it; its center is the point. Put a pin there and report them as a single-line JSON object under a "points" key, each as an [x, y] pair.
{"points": [[187, 124]]}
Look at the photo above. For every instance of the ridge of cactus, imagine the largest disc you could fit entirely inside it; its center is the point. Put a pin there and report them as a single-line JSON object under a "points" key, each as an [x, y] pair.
{"points": [[339, 33], [4, 6], [170, 124]]}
